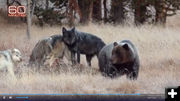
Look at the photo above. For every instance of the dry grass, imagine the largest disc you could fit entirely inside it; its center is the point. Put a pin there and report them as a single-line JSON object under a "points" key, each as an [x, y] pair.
{"points": [[159, 50]]}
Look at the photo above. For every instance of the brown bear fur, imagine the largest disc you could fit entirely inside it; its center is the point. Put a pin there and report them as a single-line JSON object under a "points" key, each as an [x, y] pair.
{"points": [[119, 58]]}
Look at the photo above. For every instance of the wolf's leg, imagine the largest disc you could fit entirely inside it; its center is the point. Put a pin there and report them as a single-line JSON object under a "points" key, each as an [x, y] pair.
{"points": [[51, 61], [78, 57], [11, 70], [73, 58], [67, 54], [88, 59]]}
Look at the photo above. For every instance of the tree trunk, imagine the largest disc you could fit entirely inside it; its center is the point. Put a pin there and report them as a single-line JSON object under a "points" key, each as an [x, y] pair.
{"points": [[97, 11], [7, 2], [140, 12], [28, 19], [70, 11], [137, 12], [91, 12], [117, 11], [160, 11], [105, 10], [84, 6], [7, 6], [33, 7], [76, 7], [47, 4]]}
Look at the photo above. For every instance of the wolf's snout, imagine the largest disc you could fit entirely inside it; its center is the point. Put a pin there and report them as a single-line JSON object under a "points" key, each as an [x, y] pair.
{"points": [[20, 60]]}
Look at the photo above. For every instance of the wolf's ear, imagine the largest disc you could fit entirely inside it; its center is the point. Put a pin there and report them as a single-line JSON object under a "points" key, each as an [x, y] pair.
{"points": [[13, 50], [125, 46], [64, 30], [115, 44], [73, 29]]}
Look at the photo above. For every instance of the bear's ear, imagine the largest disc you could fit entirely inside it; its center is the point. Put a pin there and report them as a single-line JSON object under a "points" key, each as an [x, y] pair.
{"points": [[64, 30], [115, 44], [125, 46]]}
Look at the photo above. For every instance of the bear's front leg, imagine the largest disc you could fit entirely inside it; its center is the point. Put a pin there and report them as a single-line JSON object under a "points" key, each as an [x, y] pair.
{"points": [[132, 76]]}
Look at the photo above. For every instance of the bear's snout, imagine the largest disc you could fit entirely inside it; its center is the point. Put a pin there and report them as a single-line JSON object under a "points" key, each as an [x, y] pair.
{"points": [[113, 61]]}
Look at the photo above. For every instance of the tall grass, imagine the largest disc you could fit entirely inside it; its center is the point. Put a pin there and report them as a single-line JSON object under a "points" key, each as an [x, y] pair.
{"points": [[159, 51]]}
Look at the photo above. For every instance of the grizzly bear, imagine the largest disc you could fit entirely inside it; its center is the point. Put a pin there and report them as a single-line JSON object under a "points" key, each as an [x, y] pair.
{"points": [[119, 58]]}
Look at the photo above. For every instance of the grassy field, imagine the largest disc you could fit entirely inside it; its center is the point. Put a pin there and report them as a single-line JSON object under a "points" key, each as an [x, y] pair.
{"points": [[159, 51]]}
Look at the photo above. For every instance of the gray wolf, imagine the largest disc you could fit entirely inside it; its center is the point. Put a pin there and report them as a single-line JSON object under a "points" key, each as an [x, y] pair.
{"points": [[119, 58], [82, 43], [8, 59], [49, 49]]}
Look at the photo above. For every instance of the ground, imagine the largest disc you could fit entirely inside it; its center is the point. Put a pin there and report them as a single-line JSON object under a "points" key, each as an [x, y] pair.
{"points": [[158, 47]]}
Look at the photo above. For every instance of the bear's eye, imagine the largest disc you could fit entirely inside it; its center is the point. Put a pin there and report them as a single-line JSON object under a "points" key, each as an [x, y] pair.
{"points": [[117, 52]]}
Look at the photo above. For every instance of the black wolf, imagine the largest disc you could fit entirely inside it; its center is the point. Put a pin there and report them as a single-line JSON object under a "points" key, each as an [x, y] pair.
{"points": [[82, 43]]}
